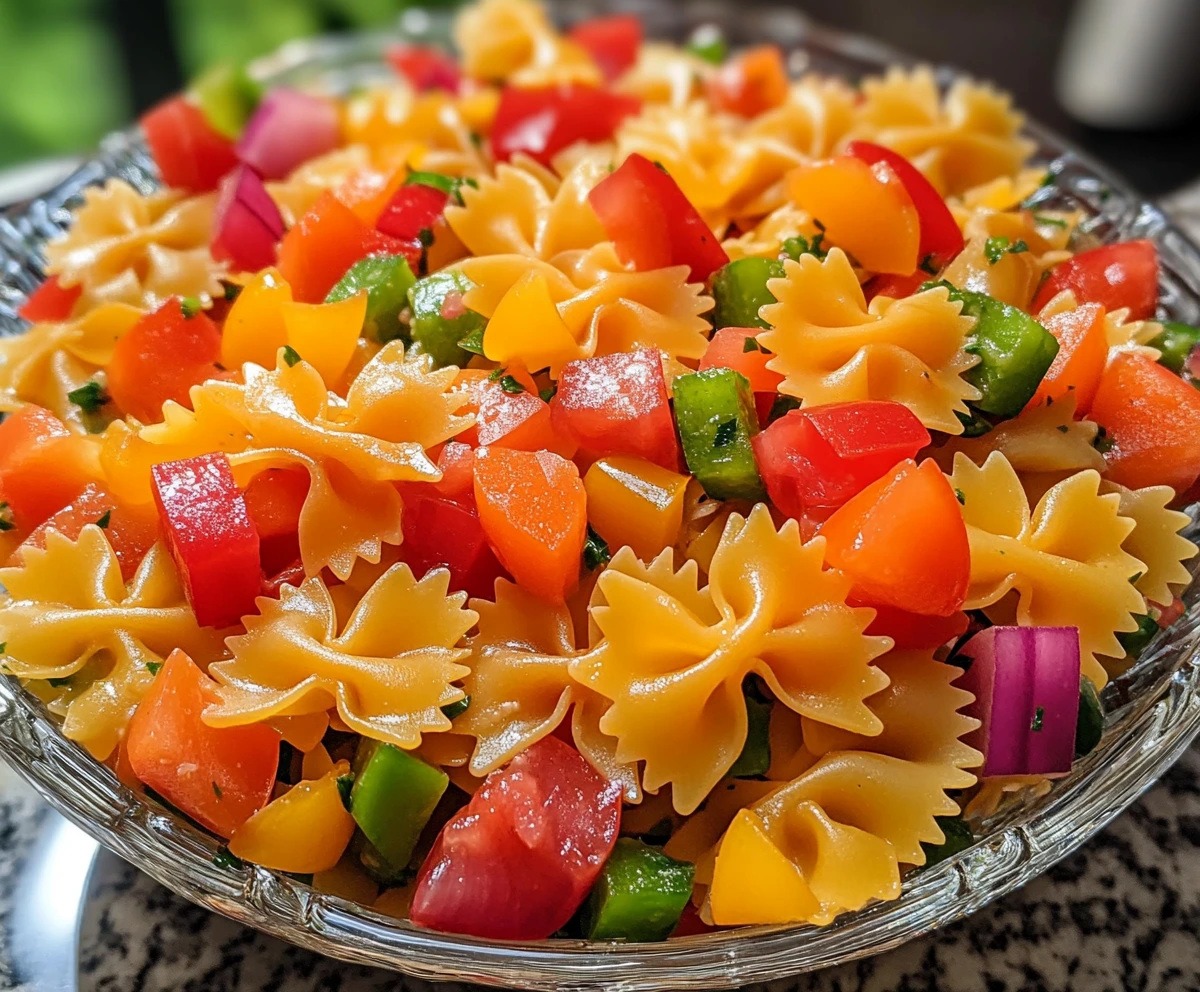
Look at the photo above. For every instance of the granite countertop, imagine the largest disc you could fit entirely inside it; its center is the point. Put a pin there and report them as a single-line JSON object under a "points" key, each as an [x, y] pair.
{"points": [[1122, 914]]}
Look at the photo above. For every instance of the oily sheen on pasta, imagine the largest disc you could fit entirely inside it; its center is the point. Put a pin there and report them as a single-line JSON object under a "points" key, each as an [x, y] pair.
{"points": [[586, 486]]}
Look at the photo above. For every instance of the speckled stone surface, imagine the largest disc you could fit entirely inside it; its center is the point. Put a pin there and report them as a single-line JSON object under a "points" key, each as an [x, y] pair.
{"points": [[1121, 915]]}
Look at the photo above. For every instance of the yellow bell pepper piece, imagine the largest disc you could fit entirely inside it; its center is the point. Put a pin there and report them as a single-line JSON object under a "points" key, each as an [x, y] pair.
{"points": [[526, 327], [636, 503], [303, 730], [254, 330], [397, 902], [326, 334], [316, 763], [304, 830], [754, 882]]}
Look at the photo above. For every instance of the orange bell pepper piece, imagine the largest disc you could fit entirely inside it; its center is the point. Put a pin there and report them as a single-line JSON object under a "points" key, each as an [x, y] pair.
{"points": [[1082, 354], [43, 466], [533, 508], [751, 83], [903, 542], [254, 330], [326, 334], [865, 209]]}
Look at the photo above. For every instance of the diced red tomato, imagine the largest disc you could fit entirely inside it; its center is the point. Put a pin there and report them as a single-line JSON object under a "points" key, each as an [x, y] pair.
{"points": [[912, 631], [1171, 612], [652, 224], [819, 457], [1082, 353], [515, 420], [411, 210], [426, 68], [43, 466], [326, 241], [897, 287], [533, 508], [131, 529], [728, 350], [618, 405], [612, 41], [190, 154], [903, 542], [292, 575], [444, 533], [218, 777], [456, 462], [50, 302], [211, 537], [516, 862], [941, 238], [1153, 420], [1115, 276], [274, 500], [751, 83], [161, 358], [541, 121]]}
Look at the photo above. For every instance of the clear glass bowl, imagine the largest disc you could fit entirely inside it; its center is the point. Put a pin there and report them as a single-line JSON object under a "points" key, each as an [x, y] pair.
{"points": [[1153, 711]]}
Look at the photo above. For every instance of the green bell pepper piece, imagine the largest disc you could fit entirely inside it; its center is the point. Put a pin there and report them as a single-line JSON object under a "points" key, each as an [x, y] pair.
{"points": [[1090, 727], [1014, 350], [1176, 342], [755, 758], [740, 289], [958, 838], [393, 797], [708, 43], [1134, 641], [439, 336], [227, 98], [387, 280], [450, 185], [639, 895], [716, 417]]}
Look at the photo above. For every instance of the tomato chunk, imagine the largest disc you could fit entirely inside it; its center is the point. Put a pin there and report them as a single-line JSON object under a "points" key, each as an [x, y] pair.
{"points": [[612, 41], [1153, 420], [411, 210], [445, 533], [131, 529], [1115, 276], [1082, 353], [189, 152], [912, 631], [426, 68], [326, 241], [43, 466], [618, 405], [819, 457], [161, 358], [218, 777], [751, 83], [274, 500], [543, 120], [518, 860], [50, 302], [941, 238], [533, 508], [211, 537], [652, 224], [866, 210], [897, 287], [514, 419], [903, 542], [737, 348]]}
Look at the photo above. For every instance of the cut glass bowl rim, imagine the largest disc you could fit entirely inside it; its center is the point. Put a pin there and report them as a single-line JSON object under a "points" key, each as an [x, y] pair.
{"points": [[1153, 710]]}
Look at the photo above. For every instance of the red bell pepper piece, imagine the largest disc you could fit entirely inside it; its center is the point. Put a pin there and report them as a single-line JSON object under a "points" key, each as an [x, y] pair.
{"points": [[903, 542], [912, 631], [652, 224], [210, 536], [541, 121], [612, 41], [426, 68], [819, 457], [274, 500], [161, 358], [50, 302], [219, 777], [190, 154], [411, 210], [445, 533], [43, 466], [1152, 418], [941, 238], [897, 287], [456, 462], [728, 349], [618, 405], [326, 241], [1115, 276]]}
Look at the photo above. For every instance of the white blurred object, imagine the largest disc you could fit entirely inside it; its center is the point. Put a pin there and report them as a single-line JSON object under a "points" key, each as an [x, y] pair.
{"points": [[1131, 63]]}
